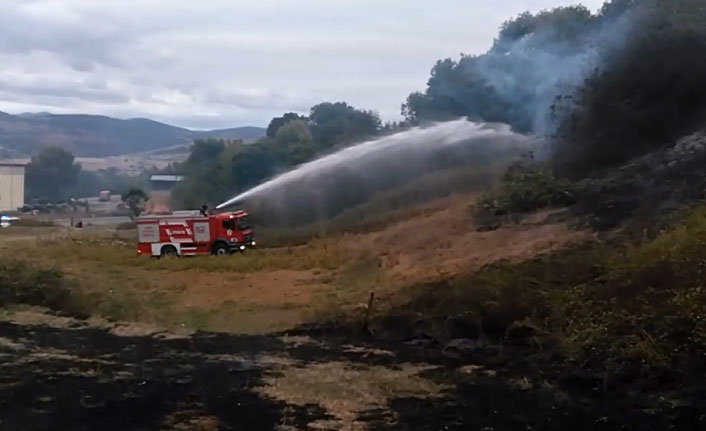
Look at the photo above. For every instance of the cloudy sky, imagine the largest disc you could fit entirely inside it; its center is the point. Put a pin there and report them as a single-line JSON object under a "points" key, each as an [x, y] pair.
{"points": [[221, 63]]}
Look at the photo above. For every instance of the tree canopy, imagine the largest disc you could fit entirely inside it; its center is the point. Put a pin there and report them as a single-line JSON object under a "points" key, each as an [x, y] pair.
{"points": [[217, 169], [51, 172], [135, 199], [278, 122]]}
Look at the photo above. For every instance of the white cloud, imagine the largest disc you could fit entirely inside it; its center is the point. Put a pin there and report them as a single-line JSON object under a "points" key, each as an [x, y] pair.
{"points": [[220, 63]]}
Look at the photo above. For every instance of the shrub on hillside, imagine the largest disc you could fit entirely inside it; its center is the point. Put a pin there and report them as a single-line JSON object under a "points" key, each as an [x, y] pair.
{"points": [[524, 187]]}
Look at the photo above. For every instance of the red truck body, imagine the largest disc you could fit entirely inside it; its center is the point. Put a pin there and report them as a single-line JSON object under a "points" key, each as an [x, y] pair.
{"points": [[188, 233]]}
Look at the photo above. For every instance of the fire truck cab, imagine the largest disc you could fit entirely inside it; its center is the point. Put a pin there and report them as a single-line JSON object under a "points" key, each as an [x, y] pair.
{"points": [[188, 233]]}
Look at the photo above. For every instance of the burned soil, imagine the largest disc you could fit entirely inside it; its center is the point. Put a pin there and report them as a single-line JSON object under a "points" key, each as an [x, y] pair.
{"points": [[80, 377]]}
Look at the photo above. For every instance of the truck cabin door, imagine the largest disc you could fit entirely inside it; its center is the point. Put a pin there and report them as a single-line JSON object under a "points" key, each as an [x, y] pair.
{"points": [[230, 230]]}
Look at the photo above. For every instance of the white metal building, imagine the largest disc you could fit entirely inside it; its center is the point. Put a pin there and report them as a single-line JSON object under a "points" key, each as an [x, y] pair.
{"points": [[165, 182], [12, 186]]}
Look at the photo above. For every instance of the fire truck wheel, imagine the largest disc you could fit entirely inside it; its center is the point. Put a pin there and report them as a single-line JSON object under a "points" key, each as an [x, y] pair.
{"points": [[169, 251], [220, 249]]}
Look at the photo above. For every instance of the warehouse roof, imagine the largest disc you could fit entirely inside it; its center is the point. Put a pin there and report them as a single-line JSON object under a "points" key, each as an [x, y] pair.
{"points": [[11, 162]]}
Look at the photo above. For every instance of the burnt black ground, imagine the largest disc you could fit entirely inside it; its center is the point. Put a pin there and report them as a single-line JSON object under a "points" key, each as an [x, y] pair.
{"points": [[149, 379], [88, 378]]}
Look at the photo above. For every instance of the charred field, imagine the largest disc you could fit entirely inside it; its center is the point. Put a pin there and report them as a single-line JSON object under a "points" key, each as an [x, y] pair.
{"points": [[80, 377]]}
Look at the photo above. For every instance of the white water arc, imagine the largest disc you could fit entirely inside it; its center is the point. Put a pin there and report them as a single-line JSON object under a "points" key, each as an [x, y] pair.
{"points": [[419, 140]]}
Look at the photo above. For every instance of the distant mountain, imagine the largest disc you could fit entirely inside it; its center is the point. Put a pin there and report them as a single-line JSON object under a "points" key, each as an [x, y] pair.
{"points": [[99, 136], [245, 133]]}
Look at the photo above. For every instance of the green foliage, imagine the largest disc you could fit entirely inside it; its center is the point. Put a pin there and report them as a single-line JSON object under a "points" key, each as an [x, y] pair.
{"points": [[24, 284], [51, 171], [135, 199], [651, 92], [208, 172], [217, 169], [341, 124], [526, 187], [295, 142], [567, 23], [278, 122]]}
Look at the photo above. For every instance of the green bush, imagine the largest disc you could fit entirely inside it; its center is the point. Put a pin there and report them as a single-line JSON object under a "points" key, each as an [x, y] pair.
{"points": [[526, 187], [24, 284]]}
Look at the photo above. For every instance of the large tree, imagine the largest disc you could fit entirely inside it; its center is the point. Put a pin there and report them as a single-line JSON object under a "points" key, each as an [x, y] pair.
{"points": [[135, 199], [294, 139], [51, 171], [341, 124], [278, 122]]}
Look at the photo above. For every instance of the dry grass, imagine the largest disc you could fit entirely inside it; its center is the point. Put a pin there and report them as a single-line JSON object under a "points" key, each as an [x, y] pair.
{"points": [[346, 391], [601, 303], [273, 289], [256, 292], [322, 254]]}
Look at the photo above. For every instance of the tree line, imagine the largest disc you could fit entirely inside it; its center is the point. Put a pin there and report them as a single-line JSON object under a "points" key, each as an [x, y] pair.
{"points": [[53, 175], [217, 169]]}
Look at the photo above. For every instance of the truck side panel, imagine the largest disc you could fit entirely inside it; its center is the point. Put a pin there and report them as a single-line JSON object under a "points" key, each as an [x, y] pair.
{"points": [[147, 232], [202, 231]]}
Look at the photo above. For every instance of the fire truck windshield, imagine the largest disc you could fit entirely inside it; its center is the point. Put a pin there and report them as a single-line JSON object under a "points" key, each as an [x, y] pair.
{"points": [[242, 223]]}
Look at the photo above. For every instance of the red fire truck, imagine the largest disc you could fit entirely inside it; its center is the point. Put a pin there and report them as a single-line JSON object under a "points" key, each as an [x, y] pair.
{"points": [[188, 233]]}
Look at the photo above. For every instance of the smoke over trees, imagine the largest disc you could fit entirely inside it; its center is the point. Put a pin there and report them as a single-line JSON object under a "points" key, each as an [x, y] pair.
{"points": [[605, 87], [651, 92], [515, 81]]}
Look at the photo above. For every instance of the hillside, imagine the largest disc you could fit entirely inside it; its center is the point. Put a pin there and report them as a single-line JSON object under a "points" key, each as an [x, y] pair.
{"points": [[99, 136]]}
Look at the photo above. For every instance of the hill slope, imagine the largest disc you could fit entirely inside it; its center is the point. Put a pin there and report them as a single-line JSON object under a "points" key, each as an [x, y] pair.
{"points": [[99, 136]]}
